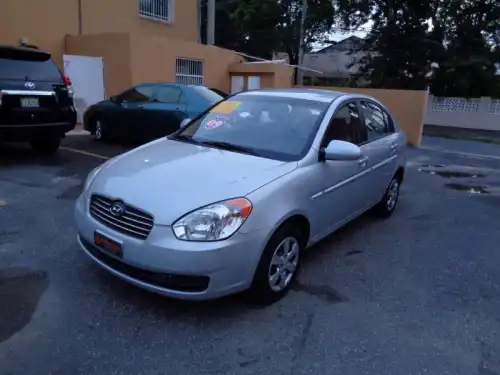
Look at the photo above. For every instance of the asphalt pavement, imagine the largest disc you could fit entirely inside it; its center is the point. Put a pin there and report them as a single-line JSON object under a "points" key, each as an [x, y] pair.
{"points": [[418, 293]]}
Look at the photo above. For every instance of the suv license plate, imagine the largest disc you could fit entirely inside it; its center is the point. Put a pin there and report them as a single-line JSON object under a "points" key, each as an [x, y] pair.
{"points": [[30, 103]]}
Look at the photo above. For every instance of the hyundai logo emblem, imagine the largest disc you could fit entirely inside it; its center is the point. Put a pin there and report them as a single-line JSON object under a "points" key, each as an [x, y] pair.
{"points": [[117, 209], [29, 85]]}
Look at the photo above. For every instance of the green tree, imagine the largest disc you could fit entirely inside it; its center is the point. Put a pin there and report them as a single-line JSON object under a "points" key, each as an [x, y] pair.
{"points": [[267, 26], [471, 39]]}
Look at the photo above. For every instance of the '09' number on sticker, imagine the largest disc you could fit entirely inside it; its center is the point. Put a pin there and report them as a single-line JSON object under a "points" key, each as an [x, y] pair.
{"points": [[212, 124]]}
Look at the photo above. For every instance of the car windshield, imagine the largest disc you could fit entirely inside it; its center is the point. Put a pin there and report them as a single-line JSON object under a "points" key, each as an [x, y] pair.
{"points": [[274, 127], [22, 65], [209, 95]]}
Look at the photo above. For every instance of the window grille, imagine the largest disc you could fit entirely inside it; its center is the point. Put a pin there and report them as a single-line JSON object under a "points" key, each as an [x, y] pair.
{"points": [[188, 71], [156, 9]]}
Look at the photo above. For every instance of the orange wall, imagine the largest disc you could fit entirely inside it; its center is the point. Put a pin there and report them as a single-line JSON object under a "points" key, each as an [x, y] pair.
{"points": [[46, 22], [134, 58], [104, 16], [407, 106], [115, 51], [43, 22], [153, 59]]}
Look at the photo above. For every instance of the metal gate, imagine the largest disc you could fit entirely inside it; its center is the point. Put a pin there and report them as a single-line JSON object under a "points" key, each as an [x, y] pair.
{"points": [[189, 71]]}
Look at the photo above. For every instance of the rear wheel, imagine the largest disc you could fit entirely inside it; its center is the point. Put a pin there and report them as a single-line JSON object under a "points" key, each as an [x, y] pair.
{"points": [[46, 146], [388, 203], [99, 130], [278, 266]]}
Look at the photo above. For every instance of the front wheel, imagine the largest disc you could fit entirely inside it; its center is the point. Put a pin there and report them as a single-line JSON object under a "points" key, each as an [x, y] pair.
{"points": [[46, 146], [388, 203], [278, 266]]}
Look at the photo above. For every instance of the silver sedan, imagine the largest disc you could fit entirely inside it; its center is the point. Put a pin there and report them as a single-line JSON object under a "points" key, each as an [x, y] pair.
{"points": [[230, 201]]}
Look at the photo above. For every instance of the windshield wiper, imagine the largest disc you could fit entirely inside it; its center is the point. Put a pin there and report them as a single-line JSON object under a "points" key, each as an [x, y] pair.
{"points": [[229, 147], [186, 138]]}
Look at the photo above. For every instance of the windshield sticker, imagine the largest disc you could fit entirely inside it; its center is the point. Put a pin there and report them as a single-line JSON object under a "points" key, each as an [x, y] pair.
{"points": [[225, 108], [212, 124]]}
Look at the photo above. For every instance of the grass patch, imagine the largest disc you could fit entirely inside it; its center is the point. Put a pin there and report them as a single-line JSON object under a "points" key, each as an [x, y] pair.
{"points": [[463, 137]]}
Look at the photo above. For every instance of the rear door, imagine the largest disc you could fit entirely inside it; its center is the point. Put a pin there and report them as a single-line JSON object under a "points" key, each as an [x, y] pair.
{"points": [[32, 89], [168, 109], [381, 146]]}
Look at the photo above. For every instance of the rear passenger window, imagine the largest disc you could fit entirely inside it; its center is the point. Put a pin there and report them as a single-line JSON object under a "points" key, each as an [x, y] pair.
{"points": [[377, 121], [345, 125]]}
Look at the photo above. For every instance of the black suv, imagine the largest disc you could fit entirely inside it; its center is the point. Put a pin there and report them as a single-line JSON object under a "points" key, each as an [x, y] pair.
{"points": [[36, 103]]}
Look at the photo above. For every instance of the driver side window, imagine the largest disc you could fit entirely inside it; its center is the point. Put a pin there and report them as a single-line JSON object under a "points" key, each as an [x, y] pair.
{"points": [[345, 125]]}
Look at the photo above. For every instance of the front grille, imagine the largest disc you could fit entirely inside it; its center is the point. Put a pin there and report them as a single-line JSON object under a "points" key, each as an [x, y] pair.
{"points": [[132, 222], [183, 283]]}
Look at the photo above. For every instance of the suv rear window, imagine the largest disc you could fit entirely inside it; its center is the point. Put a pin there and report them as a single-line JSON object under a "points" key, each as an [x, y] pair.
{"points": [[27, 65]]}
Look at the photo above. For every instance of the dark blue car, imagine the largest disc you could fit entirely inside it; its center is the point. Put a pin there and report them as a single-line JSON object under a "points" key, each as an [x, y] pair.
{"points": [[148, 111]]}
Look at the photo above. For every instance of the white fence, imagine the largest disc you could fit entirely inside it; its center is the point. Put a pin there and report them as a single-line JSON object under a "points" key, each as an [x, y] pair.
{"points": [[475, 113]]}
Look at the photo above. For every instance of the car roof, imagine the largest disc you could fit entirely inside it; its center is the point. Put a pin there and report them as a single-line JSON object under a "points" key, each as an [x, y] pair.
{"points": [[325, 96]]}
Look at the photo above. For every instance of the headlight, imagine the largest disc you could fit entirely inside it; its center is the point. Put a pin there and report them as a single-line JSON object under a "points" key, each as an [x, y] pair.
{"points": [[215, 222]]}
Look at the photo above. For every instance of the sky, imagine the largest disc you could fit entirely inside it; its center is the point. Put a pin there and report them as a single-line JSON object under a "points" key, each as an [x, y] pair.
{"points": [[337, 36]]}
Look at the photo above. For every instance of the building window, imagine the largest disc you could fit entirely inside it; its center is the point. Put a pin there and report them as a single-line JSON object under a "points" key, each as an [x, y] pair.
{"points": [[189, 72], [156, 9]]}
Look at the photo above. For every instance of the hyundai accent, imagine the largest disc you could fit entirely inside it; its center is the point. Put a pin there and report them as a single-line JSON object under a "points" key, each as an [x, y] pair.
{"points": [[230, 201]]}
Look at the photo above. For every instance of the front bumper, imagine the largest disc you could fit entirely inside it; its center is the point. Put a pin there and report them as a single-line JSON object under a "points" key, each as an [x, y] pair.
{"points": [[168, 266]]}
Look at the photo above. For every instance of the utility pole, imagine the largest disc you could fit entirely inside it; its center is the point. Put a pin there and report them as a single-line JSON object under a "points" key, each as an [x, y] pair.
{"points": [[300, 77], [211, 22]]}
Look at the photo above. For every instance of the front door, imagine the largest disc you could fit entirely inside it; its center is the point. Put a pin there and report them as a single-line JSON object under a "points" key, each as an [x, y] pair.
{"points": [[340, 187], [131, 116]]}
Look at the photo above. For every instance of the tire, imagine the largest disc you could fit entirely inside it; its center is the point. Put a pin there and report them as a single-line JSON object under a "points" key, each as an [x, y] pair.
{"points": [[389, 201], [273, 277], [99, 132], [46, 146]]}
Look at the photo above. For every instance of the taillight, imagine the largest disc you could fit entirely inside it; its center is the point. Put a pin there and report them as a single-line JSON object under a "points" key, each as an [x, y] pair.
{"points": [[66, 79], [68, 83]]}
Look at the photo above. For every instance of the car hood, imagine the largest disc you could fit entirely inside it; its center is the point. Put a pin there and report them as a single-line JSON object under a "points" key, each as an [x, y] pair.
{"points": [[168, 178]]}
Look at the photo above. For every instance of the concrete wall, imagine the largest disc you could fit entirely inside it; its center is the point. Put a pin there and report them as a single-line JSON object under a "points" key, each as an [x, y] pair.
{"points": [[407, 106], [136, 58], [47, 22], [475, 114], [153, 59]]}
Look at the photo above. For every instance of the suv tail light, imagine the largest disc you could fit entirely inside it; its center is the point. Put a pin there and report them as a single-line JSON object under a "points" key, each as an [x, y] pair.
{"points": [[68, 83], [66, 79]]}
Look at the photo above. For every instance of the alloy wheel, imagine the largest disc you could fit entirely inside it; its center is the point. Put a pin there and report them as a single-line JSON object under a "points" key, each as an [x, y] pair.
{"points": [[284, 264]]}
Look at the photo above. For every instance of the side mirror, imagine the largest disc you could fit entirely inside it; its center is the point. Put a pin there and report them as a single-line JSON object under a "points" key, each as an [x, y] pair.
{"points": [[114, 99], [185, 122], [341, 150]]}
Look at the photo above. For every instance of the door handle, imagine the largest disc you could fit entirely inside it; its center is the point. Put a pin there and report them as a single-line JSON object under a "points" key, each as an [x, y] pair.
{"points": [[394, 147], [141, 107], [362, 161]]}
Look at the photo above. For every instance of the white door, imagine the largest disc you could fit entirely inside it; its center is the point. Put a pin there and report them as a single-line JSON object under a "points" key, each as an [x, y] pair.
{"points": [[87, 77], [237, 84], [253, 82]]}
